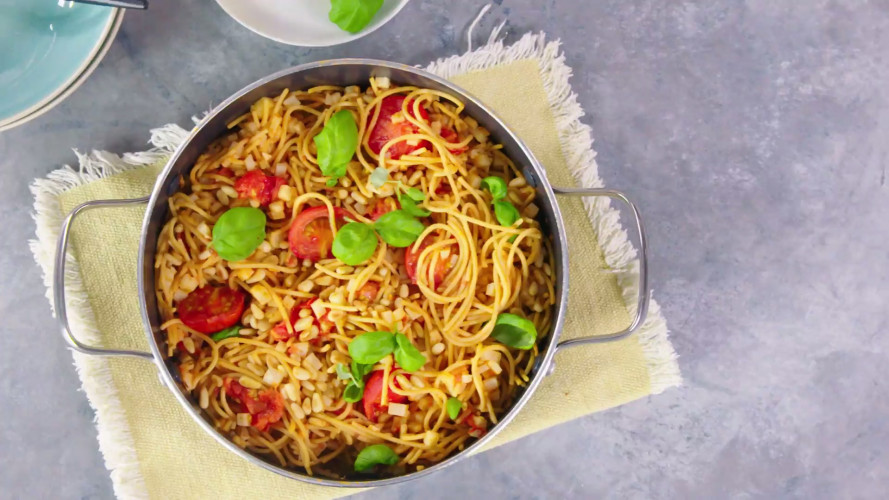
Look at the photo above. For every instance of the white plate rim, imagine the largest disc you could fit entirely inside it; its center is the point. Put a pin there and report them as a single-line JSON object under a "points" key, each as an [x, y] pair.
{"points": [[75, 81], [347, 38]]}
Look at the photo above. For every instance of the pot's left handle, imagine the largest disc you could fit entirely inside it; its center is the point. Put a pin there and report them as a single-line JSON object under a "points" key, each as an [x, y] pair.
{"points": [[59, 281], [644, 295]]}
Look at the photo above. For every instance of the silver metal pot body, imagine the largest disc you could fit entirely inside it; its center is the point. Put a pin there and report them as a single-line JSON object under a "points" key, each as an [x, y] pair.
{"points": [[341, 72]]}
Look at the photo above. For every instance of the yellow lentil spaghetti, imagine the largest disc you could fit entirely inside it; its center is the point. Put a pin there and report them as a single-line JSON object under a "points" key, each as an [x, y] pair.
{"points": [[354, 280]]}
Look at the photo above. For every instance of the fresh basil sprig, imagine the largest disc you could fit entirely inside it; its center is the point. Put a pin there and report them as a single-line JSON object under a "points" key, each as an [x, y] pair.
{"points": [[238, 232], [453, 407], [506, 213], [354, 390], [336, 145], [410, 206], [398, 228], [370, 347], [514, 331], [496, 186], [406, 355], [232, 331], [353, 15], [375, 454], [354, 243]]}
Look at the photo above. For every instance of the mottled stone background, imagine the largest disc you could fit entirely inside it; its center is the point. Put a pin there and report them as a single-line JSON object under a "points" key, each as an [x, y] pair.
{"points": [[753, 134]]}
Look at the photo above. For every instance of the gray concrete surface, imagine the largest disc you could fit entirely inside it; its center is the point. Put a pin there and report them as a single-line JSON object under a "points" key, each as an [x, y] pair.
{"points": [[752, 133]]}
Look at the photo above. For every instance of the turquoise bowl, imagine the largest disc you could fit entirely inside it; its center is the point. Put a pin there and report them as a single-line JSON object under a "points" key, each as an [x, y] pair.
{"points": [[43, 49]]}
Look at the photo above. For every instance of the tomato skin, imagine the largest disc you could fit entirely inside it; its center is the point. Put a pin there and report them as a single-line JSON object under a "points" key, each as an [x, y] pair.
{"points": [[259, 186], [266, 408], [226, 172], [373, 395], [210, 309], [412, 256], [449, 135], [310, 236], [382, 207], [369, 291], [384, 130]]}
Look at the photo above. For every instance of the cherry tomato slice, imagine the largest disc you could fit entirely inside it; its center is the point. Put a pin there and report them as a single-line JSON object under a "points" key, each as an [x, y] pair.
{"points": [[449, 135], [369, 291], [385, 130], [212, 308], [310, 235], [266, 408], [280, 333], [411, 256], [259, 186], [373, 395]]}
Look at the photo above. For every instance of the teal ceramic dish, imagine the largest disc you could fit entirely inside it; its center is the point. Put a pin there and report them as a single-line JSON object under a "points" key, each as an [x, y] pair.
{"points": [[44, 49]]}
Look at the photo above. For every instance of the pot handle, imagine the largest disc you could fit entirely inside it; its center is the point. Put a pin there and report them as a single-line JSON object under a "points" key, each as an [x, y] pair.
{"points": [[642, 303], [59, 281]]}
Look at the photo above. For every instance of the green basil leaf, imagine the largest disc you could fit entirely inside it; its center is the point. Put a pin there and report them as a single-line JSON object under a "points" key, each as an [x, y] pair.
{"points": [[370, 347], [238, 232], [332, 182], [453, 407], [415, 194], [375, 454], [353, 392], [398, 228], [354, 243], [336, 144], [353, 15], [342, 372], [408, 357], [496, 186], [359, 370], [379, 176], [506, 213], [410, 206], [232, 331], [515, 331]]}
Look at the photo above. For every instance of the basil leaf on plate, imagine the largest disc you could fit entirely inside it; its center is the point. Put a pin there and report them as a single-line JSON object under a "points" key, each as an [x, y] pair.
{"points": [[514, 331], [353, 15], [238, 232], [453, 407], [336, 145], [415, 194], [399, 228], [507, 214], [353, 392], [232, 331], [370, 347], [406, 355], [410, 206], [375, 454], [496, 186], [359, 370], [354, 243]]}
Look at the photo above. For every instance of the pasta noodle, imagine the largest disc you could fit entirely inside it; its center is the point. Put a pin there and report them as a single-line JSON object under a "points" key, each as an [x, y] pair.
{"points": [[272, 384]]}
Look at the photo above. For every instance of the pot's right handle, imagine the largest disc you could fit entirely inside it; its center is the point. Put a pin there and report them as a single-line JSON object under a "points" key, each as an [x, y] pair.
{"points": [[59, 281], [642, 307]]}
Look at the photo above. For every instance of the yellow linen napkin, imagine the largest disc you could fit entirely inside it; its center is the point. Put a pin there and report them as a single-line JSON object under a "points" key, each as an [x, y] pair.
{"points": [[149, 441]]}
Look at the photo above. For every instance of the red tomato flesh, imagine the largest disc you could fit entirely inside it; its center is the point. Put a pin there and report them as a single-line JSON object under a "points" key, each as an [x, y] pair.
{"points": [[373, 395], [280, 333], [310, 236], [385, 130], [265, 407], [449, 135], [210, 309], [369, 291], [412, 256], [382, 207], [259, 186]]}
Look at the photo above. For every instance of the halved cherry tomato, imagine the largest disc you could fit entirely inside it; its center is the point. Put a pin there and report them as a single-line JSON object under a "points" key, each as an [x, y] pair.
{"points": [[373, 395], [382, 207], [259, 186], [212, 308], [411, 256], [266, 408], [369, 291], [449, 135], [310, 235], [279, 332], [385, 130]]}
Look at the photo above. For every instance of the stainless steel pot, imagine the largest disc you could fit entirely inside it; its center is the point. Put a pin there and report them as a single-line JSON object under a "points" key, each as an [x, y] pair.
{"points": [[341, 72]]}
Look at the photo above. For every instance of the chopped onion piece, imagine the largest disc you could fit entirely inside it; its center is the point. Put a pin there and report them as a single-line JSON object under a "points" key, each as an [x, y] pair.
{"points": [[397, 409]]}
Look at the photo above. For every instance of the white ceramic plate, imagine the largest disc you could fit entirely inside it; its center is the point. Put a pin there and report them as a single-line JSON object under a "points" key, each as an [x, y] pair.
{"points": [[301, 22], [78, 79]]}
